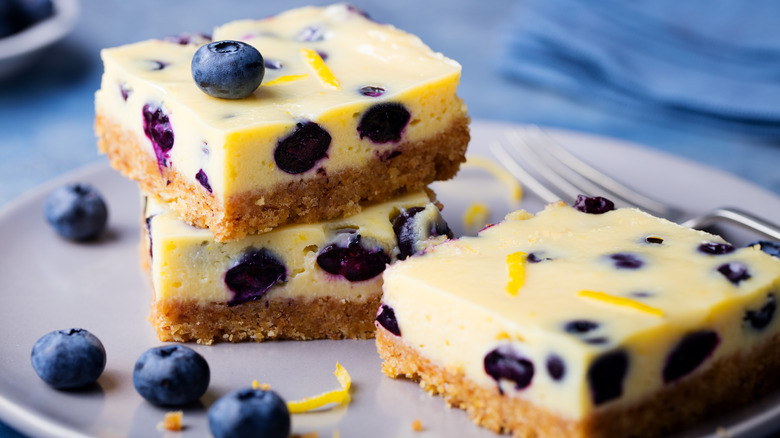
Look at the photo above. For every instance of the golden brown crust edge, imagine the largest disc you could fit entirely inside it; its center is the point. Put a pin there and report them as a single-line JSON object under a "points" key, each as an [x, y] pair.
{"points": [[434, 159], [727, 384]]}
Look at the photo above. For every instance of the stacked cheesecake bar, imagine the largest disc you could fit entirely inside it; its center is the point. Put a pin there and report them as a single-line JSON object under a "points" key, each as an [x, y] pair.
{"points": [[273, 216]]}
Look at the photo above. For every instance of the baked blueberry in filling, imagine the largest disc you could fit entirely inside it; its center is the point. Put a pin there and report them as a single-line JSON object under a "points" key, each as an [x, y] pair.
{"points": [[188, 38], [689, 353], [125, 91], [504, 363], [253, 275], [409, 230], [157, 128], [555, 367], [580, 326], [534, 257], [593, 205], [626, 261], [156, 65], [715, 248], [348, 257], [385, 316], [583, 328], [735, 272], [759, 319], [384, 122], [311, 33], [372, 91], [203, 179], [272, 64], [606, 375], [301, 150]]}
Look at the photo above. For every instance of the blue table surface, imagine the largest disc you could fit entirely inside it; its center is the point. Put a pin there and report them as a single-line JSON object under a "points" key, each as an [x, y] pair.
{"points": [[46, 112]]}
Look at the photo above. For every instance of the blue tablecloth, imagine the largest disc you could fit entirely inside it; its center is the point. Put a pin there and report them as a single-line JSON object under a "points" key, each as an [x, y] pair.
{"points": [[46, 113]]}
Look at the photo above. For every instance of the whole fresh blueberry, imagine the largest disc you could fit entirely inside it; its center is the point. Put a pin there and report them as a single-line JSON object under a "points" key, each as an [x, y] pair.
{"points": [[247, 413], [228, 69], [171, 375], [76, 211], [593, 205], [68, 359]]}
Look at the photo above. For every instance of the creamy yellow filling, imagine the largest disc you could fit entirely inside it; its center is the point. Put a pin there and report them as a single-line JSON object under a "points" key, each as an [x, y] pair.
{"points": [[453, 305], [188, 264]]}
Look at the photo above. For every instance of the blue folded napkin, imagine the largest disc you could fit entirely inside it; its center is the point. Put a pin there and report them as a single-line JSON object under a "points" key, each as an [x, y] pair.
{"points": [[716, 61]]}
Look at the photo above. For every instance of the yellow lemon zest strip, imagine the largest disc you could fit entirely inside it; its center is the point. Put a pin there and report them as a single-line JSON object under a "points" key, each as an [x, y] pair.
{"points": [[285, 80], [501, 174], [263, 386], [320, 68], [516, 264], [476, 215], [339, 396], [620, 301]]}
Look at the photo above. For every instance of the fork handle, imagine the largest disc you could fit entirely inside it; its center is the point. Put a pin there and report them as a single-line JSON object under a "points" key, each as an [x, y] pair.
{"points": [[738, 217]]}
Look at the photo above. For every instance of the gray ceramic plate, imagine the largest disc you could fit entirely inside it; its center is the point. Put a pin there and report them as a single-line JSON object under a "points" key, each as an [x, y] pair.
{"points": [[47, 283]]}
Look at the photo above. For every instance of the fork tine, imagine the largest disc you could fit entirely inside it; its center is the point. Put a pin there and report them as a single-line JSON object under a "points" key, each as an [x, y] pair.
{"points": [[505, 156], [601, 180], [572, 176], [557, 175]]}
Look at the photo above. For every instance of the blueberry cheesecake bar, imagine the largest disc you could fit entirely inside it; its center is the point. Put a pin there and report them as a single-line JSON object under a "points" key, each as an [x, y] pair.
{"points": [[349, 112], [585, 321], [300, 281]]}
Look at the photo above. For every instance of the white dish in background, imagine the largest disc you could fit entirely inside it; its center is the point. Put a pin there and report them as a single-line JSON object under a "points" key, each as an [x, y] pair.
{"points": [[47, 283], [17, 51]]}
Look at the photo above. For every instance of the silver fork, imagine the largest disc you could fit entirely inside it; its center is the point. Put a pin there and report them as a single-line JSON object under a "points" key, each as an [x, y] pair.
{"points": [[567, 176]]}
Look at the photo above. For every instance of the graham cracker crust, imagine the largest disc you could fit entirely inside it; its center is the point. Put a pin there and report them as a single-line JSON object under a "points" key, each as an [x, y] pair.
{"points": [[334, 195], [265, 319], [727, 384]]}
